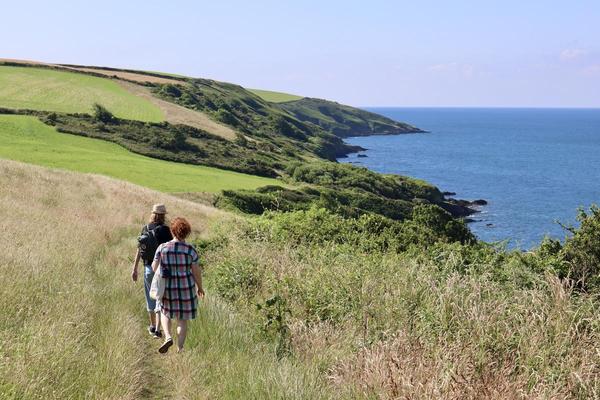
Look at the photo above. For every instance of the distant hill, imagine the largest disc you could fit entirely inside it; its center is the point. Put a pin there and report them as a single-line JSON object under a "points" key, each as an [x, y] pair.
{"points": [[345, 121], [187, 124], [332, 117]]}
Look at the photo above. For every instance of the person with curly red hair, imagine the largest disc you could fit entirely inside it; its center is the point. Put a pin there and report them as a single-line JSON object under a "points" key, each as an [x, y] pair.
{"points": [[178, 261]]}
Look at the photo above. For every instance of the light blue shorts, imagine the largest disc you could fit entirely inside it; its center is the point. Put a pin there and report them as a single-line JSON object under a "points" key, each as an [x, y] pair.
{"points": [[148, 275]]}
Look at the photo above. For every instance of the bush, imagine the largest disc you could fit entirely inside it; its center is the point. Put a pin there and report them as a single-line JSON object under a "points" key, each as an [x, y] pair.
{"points": [[171, 90], [430, 224], [102, 114], [345, 176], [581, 251], [166, 141], [226, 117], [50, 119], [238, 279], [281, 126], [241, 140], [368, 232]]}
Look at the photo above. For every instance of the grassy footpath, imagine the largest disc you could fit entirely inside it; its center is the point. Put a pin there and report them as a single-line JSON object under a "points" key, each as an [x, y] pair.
{"points": [[45, 89], [26, 139], [73, 323]]}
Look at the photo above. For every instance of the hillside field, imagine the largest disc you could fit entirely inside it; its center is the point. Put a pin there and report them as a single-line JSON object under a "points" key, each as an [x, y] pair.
{"points": [[25, 138], [274, 97], [51, 90]]}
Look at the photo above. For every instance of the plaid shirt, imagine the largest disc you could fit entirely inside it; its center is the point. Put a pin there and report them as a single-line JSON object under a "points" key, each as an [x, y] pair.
{"points": [[180, 298]]}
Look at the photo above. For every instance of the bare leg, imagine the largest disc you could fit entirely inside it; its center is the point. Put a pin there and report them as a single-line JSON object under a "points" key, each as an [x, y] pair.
{"points": [[166, 326], [181, 333], [157, 318]]}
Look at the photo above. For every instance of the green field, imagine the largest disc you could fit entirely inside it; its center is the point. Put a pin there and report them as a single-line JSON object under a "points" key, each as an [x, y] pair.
{"points": [[274, 97], [26, 139], [50, 90]]}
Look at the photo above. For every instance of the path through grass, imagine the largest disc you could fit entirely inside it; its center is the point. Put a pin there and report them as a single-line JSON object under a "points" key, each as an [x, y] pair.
{"points": [[25, 138], [73, 323]]}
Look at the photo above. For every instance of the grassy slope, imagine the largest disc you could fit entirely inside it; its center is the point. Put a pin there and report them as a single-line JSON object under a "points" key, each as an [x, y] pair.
{"points": [[274, 97], [45, 89], [73, 323], [27, 139], [343, 120]]}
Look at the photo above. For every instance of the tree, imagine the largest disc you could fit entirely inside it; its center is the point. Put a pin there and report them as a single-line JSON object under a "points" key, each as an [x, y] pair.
{"points": [[102, 114]]}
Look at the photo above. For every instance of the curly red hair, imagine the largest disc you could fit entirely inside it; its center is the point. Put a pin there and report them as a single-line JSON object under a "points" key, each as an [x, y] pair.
{"points": [[180, 228]]}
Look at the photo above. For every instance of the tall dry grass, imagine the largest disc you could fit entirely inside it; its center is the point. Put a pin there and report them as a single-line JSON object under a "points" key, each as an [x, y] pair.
{"points": [[541, 344], [400, 326], [73, 323]]}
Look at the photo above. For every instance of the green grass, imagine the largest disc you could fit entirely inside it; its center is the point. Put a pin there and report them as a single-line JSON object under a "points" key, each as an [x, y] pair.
{"points": [[49, 90], [274, 97], [26, 139], [447, 321], [74, 324]]}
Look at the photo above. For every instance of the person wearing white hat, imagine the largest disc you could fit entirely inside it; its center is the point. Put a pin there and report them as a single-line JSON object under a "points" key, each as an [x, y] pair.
{"points": [[155, 233]]}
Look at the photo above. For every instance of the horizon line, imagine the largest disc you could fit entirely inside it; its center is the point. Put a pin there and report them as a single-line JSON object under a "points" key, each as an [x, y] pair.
{"points": [[493, 107]]}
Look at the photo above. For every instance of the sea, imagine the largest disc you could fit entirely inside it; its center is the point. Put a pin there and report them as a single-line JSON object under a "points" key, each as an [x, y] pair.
{"points": [[534, 167]]}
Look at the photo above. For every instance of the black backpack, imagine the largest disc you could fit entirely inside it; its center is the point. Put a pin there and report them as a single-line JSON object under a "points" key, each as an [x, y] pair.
{"points": [[148, 243]]}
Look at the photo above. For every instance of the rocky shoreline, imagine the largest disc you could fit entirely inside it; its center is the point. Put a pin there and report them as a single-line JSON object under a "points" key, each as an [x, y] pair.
{"points": [[460, 208], [353, 149]]}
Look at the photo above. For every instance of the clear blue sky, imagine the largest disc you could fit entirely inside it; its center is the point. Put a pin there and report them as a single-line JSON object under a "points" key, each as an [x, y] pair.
{"points": [[397, 53]]}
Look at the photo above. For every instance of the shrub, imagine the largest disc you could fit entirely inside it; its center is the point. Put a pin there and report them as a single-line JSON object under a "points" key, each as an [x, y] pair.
{"points": [[281, 126], [241, 140], [581, 251], [238, 279], [171, 90], [51, 119], [368, 232], [226, 117], [102, 114], [477, 320], [430, 223], [345, 176]]}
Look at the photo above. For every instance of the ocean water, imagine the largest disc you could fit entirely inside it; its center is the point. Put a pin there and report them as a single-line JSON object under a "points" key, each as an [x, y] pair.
{"points": [[534, 166]]}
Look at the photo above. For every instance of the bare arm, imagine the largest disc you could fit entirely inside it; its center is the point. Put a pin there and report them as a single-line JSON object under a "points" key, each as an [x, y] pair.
{"points": [[197, 273], [134, 273], [155, 264]]}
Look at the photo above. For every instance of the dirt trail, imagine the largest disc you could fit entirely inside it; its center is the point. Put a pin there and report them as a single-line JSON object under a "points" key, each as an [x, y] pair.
{"points": [[177, 114], [132, 76]]}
